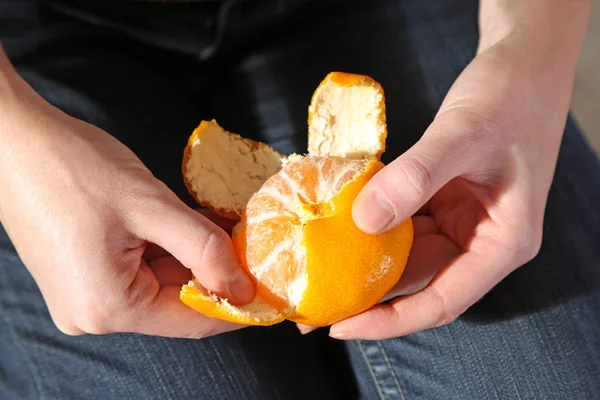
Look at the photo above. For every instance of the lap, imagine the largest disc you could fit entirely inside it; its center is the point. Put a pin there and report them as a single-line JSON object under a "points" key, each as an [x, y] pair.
{"points": [[37, 361], [531, 336]]}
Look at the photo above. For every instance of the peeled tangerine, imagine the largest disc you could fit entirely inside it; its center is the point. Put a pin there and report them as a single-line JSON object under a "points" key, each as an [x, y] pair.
{"points": [[296, 235]]}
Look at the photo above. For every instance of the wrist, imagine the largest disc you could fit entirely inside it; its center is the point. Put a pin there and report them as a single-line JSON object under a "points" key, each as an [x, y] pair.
{"points": [[12, 89], [549, 30], [8, 77], [538, 42], [23, 119], [22, 109]]}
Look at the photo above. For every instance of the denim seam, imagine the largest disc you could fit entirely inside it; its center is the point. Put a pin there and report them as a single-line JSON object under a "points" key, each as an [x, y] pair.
{"points": [[389, 365], [34, 377], [374, 374]]}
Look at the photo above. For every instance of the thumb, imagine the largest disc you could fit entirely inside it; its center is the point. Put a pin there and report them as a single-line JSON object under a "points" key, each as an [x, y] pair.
{"points": [[200, 245], [398, 191]]}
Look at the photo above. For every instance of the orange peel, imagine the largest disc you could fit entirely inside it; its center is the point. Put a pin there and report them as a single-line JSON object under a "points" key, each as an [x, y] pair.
{"points": [[222, 170]]}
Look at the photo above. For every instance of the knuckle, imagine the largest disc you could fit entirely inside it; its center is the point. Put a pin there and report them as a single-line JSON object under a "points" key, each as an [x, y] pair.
{"points": [[213, 246], [389, 316], [474, 132], [524, 244], [204, 332], [444, 315], [418, 176], [61, 319], [529, 248], [150, 195], [144, 200], [94, 323], [93, 317], [67, 327], [473, 124], [200, 330], [69, 330], [138, 296]]}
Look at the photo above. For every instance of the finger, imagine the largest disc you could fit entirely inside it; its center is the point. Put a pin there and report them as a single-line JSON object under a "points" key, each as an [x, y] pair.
{"points": [[424, 210], [152, 252], [151, 309], [170, 272], [199, 245], [429, 254], [146, 307], [459, 285], [424, 225], [404, 186], [59, 311], [70, 330], [304, 329], [62, 322], [168, 316]]}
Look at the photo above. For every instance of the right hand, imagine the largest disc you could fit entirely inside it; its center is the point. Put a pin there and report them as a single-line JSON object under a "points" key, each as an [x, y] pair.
{"points": [[108, 244]]}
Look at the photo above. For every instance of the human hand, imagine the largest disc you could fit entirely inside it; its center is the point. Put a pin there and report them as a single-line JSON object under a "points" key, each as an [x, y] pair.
{"points": [[477, 181], [107, 243]]}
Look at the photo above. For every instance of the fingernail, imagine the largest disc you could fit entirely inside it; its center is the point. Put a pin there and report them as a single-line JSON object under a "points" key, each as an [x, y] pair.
{"points": [[306, 329], [241, 288], [373, 212], [344, 335]]}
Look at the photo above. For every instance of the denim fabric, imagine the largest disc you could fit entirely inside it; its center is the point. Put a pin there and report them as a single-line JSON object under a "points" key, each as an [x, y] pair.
{"points": [[147, 73]]}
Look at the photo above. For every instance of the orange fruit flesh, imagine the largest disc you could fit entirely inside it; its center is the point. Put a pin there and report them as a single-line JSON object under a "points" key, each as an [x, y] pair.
{"points": [[348, 270], [277, 216]]}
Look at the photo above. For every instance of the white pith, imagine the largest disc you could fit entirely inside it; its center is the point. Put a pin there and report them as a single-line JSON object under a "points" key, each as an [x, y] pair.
{"points": [[225, 171], [346, 121]]}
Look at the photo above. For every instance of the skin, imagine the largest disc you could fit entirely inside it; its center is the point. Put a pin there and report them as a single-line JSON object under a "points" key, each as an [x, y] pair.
{"points": [[478, 180], [108, 244], [98, 232]]}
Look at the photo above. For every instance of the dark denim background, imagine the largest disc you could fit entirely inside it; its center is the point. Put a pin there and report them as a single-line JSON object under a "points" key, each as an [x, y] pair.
{"points": [[149, 73]]}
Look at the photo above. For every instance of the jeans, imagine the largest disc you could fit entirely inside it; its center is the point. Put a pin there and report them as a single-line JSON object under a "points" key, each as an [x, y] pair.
{"points": [[148, 73]]}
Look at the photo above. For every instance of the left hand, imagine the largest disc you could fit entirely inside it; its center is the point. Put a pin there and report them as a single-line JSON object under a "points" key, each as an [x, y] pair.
{"points": [[478, 180]]}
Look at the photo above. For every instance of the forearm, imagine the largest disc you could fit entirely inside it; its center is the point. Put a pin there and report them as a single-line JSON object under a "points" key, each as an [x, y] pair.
{"points": [[8, 78], [3, 60], [535, 44], [548, 28], [22, 117], [12, 90], [9, 108], [6, 94], [20, 106]]}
